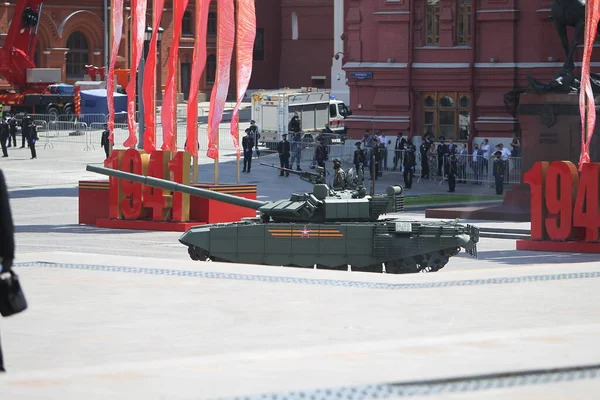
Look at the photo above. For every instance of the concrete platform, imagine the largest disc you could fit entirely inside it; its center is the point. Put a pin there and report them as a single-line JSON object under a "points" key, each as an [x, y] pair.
{"points": [[122, 327], [118, 314]]}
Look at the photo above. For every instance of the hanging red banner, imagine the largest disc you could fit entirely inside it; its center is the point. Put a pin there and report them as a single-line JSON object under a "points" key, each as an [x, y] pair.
{"points": [[138, 22], [592, 17], [198, 62], [117, 23], [245, 35], [169, 105], [218, 96], [149, 87]]}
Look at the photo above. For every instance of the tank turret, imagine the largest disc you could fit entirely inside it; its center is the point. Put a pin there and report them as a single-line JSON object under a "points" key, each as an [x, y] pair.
{"points": [[323, 204]]}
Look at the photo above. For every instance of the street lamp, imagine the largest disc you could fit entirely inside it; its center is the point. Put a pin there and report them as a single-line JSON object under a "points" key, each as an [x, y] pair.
{"points": [[140, 79]]}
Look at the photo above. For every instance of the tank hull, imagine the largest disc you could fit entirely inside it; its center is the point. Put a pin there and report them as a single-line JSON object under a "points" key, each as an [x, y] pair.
{"points": [[400, 245]]}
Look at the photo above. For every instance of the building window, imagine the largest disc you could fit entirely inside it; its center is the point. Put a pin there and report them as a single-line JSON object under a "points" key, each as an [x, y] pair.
{"points": [[77, 56], [447, 114], [463, 26], [187, 24], [294, 26], [212, 23], [432, 18], [259, 45], [211, 69]]}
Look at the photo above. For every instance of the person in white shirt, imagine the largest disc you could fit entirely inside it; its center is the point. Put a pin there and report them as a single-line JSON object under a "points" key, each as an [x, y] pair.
{"points": [[505, 156], [485, 147]]}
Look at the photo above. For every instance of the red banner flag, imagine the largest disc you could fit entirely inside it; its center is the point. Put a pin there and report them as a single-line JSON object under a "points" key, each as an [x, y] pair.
{"points": [[138, 21], [169, 106], [592, 17], [198, 62], [149, 88], [117, 23], [226, 38], [245, 35]]}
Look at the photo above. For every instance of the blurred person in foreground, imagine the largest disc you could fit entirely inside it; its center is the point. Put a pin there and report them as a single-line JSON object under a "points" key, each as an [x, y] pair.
{"points": [[7, 239]]}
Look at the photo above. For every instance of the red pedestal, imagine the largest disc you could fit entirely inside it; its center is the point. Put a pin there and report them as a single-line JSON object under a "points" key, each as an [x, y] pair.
{"points": [[94, 203], [551, 245]]}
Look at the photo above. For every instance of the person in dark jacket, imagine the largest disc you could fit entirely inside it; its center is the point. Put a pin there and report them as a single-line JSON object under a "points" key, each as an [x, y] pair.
{"points": [[253, 129], [452, 172], [104, 142], [25, 123], [321, 153], [442, 150], [294, 124], [409, 163], [7, 238], [247, 146], [12, 129], [4, 136], [283, 148], [32, 138], [498, 171], [359, 161]]}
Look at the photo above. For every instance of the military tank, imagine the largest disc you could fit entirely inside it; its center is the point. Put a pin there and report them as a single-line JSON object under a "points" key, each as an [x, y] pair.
{"points": [[325, 228]]}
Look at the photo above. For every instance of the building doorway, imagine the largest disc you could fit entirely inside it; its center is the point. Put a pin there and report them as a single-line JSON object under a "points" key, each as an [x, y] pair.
{"points": [[186, 74]]}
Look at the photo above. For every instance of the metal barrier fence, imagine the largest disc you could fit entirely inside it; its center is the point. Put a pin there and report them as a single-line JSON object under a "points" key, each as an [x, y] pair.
{"points": [[86, 130], [470, 169]]}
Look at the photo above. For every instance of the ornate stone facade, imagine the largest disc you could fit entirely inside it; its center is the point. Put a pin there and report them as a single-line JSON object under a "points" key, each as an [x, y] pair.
{"points": [[71, 34]]}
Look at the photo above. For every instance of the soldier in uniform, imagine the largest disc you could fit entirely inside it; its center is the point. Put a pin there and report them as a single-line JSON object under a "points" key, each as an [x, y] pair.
{"points": [[339, 177], [294, 124], [283, 148], [253, 129], [247, 146], [296, 150], [12, 128], [359, 161], [32, 138], [452, 171], [409, 162], [499, 170], [25, 122], [104, 142], [321, 153], [4, 136]]}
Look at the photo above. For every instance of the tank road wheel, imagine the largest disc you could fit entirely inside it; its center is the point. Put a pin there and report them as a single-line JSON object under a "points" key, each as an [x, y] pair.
{"points": [[197, 254], [434, 261], [402, 266]]}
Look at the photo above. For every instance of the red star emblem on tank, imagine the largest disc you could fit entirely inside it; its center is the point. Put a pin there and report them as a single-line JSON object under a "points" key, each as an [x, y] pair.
{"points": [[305, 232]]}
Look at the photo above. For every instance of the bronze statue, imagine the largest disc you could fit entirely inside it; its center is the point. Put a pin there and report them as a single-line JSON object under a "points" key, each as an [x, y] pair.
{"points": [[566, 13]]}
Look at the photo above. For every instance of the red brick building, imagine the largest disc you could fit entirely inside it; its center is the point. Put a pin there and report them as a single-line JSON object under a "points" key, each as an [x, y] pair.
{"points": [[294, 42], [443, 66]]}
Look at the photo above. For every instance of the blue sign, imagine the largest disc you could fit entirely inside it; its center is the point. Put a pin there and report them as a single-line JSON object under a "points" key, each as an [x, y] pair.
{"points": [[361, 75]]}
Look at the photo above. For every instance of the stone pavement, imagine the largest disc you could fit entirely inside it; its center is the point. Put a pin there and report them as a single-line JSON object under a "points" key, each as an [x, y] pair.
{"points": [[126, 315]]}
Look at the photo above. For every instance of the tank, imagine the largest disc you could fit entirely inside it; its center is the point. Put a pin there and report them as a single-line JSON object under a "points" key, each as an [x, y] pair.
{"points": [[325, 228]]}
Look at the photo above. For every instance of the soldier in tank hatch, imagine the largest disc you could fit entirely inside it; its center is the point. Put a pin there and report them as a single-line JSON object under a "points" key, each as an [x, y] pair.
{"points": [[339, 175]]}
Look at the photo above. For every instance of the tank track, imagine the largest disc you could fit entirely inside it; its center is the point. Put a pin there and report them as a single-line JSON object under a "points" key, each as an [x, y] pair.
{"points": [[423, 263]]}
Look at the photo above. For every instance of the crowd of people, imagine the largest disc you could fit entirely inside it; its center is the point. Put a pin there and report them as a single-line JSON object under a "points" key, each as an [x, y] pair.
{"points": [[8, 134]]}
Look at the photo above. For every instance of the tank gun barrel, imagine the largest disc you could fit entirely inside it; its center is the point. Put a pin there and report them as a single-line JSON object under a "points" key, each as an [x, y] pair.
{"points": [[178, 187]]}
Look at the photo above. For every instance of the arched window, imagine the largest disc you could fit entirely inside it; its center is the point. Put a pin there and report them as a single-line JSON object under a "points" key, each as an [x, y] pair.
{"points": [[294, 26], [444, 116], [77, 56], [212, 23], [211, 69]]}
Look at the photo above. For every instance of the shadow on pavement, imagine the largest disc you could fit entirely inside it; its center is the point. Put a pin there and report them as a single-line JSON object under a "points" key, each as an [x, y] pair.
{"points": [[45, 192], [67, 229], [514, 257]]}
